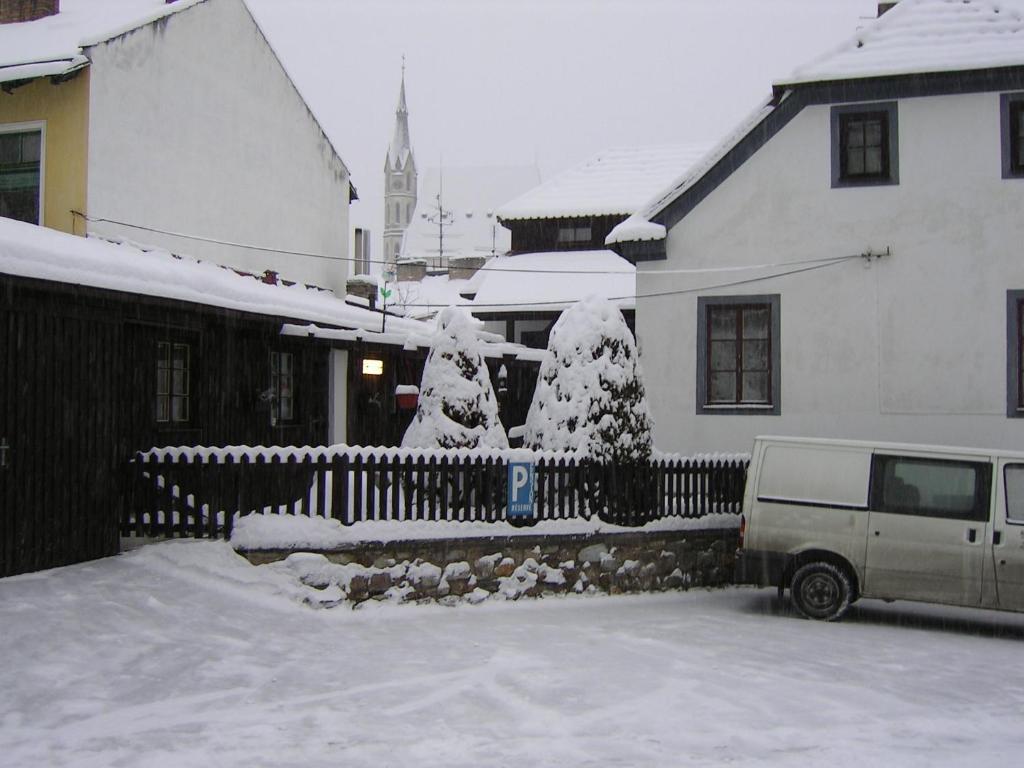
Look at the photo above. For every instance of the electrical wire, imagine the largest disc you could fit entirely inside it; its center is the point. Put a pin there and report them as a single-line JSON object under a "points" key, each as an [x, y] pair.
{"points": [[511, 270], [682, 292]]}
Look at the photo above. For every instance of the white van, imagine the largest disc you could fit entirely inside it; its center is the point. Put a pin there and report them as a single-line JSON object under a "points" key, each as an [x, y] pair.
{"points": [[837, 520]]}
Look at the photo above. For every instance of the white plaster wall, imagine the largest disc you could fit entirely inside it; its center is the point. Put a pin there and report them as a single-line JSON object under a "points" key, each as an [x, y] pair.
{"points": [[195, 128], [337, 429], [910, 347]]}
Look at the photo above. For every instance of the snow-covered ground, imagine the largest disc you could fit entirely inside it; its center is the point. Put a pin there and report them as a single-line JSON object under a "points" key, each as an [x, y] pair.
{"points": [[182, 654]]}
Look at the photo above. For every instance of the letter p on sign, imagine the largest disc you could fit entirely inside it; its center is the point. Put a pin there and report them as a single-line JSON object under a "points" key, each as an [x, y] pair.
{"points": [[520, 489]]}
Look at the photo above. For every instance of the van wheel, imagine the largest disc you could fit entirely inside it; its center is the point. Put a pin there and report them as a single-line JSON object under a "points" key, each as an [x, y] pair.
{"points": [[821, 590]]}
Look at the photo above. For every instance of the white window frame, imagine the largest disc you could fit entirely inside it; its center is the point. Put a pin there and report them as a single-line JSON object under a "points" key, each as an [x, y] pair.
{"points": [[34, 125]]}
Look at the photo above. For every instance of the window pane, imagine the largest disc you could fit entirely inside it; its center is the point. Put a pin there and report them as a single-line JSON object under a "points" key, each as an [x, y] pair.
{"points": [[873, 161], [179, 383], [286, 362], [10, 148], [723, 356], [163, 379], [855, 134], [855, 162], [722, 388], [722, 323], [286, 409], [755, 388], [933, 488], [162, 408], [179, 409], [755, 355], [755, 323], [873, 133], [582, 234], [1014, 476], [31, 147]]}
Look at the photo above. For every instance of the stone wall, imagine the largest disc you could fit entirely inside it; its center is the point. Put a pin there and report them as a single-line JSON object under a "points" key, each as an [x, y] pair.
{"points": [[453, 570]]}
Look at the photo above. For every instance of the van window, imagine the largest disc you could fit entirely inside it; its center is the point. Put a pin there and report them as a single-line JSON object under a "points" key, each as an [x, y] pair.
{"points": [[957, 490], [1013, 475], [826, 477]]}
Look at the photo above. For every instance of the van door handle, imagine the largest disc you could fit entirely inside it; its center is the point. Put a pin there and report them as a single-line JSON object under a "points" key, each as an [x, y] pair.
{"points": [[972, 535], [997, 538]]}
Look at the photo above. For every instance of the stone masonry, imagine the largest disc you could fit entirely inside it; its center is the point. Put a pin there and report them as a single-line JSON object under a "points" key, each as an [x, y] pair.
{"points": [[473, 569]]}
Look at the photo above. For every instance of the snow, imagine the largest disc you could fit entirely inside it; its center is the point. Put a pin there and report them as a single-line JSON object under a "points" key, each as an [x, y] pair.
{"points": [[926, 36], [613, 182], [182, 654], [590, 397], [457, 407], [79, 24], [554, 281], [639, 226], [273, 531], [28, 250], [470, 194]]}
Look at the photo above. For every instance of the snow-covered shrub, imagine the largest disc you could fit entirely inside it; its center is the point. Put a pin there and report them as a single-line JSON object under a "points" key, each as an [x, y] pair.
{"points": [[590, 396], [457, 407]]}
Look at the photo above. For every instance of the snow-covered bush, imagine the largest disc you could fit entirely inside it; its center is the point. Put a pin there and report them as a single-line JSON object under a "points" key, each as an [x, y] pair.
{"points": [[590, 396], [457, 407]]}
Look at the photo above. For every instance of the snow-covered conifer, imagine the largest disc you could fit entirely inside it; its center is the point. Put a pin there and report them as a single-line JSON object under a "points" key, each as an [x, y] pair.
{"points": [[457, 407], [590, 396]]}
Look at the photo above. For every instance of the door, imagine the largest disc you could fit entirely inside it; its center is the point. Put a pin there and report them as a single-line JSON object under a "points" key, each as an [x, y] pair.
{"points": [[927, 529], [1008, 537]]}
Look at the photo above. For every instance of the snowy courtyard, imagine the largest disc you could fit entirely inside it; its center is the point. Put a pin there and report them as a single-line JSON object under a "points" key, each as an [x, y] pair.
{"points": [[183, 654]]}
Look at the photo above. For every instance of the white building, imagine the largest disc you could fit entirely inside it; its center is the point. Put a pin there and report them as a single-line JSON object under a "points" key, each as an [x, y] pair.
{"points": [[175, 125], [850, 262]]}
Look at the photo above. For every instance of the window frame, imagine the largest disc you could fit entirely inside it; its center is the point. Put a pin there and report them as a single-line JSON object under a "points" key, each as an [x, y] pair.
{"points": [[1006, 496], [1015, 354], [187, 397], [774, 406], [982, 492], [1011, 106], [27, 127], [277, 356], [839, 116]]}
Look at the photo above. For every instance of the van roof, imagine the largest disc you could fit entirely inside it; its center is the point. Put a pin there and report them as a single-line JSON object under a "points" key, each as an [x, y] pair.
{"points": [[888, 446]]}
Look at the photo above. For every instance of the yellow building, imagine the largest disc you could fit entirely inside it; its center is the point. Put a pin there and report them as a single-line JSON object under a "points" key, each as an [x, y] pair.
{"points": [[44, 124]]}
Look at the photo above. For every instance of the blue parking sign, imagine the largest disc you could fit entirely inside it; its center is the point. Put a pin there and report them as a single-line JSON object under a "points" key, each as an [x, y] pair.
{"points": [[520, 489]]}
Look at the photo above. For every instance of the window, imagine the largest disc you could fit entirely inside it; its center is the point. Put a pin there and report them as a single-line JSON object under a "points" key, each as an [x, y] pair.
{"points": [[172, 383], [1013, 476], [864, 145], [1015, 354], [570, 234], [21, 154], [282, 388], [1011, 116], [738, 354], [951, 489]]}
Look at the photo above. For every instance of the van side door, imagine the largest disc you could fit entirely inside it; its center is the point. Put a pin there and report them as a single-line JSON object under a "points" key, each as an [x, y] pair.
{"points": [[927, 528], [1008, 536]]}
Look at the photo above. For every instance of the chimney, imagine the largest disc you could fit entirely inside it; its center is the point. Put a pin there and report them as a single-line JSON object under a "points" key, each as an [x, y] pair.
{"points": [[886, 6], [464, 267], [363, 286], [411, 270], [13, 11]]}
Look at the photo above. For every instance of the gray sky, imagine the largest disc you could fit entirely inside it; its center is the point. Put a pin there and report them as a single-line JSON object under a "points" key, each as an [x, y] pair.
{"points": [[497, 82]]}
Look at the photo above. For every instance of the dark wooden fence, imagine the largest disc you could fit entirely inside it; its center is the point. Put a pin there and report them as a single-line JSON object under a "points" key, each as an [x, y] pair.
{"points": [[188, 494]]}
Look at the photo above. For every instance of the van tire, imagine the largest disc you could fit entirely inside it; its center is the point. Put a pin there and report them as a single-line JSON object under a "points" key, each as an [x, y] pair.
{"points": [[821, 590]]}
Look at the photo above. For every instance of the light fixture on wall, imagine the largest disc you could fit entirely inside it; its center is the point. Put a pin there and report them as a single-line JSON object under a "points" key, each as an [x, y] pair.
{"points": [[372, 367]]}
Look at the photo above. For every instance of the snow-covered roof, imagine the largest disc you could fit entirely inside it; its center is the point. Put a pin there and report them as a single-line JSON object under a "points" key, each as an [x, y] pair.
{"points": [[471, 194], [551, 282], [926, 36], [55, 45], [612, 182], [638, 226], [27, 250]]}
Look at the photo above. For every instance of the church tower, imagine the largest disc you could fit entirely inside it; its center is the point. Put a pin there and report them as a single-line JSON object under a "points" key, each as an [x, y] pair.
{"points": [[399, 181]]}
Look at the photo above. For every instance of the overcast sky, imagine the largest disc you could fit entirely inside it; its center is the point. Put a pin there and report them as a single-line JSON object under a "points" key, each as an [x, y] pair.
{"points": [[551, 82]]}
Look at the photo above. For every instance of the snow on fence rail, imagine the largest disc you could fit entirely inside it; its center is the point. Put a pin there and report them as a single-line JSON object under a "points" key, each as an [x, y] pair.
{"points": [[197, 492]]}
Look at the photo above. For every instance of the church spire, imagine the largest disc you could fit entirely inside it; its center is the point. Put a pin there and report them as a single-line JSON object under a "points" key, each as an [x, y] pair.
{"points": [[400, 180], [400, 147]]}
